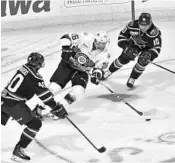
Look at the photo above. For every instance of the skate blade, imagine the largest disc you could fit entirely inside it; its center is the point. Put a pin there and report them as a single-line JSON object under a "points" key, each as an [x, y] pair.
{"points": [[50, 117], [18, 159]]}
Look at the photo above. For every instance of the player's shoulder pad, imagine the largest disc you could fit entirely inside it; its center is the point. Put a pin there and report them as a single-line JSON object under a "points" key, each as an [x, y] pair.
{"points": [[67, 36], [132, 24], [33, 73], [153, 32]]}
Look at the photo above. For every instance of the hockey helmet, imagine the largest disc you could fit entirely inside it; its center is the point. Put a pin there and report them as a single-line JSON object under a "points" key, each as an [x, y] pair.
{"points": [[36, 60], [101, 39], [145, 21]]}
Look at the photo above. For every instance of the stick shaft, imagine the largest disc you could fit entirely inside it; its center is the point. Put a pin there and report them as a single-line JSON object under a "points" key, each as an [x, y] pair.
{"points": [[162, 67], [81, 133], [121, 99]]}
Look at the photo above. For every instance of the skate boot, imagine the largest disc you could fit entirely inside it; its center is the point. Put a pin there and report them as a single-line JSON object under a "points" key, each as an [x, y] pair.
{"points": [[52, 116], [19, 155], [106, 74], [130, 82]]}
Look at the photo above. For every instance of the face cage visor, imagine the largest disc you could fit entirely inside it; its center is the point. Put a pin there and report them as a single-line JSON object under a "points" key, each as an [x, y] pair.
{"points": [[100, 45], [144, 27], [40, 65]]}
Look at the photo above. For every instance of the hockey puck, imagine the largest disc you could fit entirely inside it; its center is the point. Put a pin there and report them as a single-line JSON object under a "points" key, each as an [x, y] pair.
{"points": [[147, 120]]}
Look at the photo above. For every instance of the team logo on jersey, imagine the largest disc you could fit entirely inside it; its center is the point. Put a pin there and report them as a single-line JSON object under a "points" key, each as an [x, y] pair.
{"points": [[139, 41], [154, 32], [83, 59]]}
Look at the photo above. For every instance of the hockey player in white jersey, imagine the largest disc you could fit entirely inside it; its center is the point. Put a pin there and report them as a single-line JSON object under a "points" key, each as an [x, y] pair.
{"points": [[82, 54]]}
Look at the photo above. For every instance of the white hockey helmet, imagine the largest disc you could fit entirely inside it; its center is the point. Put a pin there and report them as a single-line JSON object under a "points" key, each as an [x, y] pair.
{"points": [[101, 39]]}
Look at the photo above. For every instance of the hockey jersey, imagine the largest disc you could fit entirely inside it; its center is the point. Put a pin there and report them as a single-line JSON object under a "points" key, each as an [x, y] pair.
{"points": [[25, 83], [85, 42], [151, 40]]}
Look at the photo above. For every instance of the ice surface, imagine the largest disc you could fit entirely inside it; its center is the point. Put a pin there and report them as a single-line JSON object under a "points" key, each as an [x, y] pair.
{"points": [[106, 121]]}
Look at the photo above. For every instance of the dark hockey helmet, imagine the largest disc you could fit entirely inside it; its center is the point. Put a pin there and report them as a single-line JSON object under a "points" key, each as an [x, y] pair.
{"points": [[145, 21], [36, 60]]}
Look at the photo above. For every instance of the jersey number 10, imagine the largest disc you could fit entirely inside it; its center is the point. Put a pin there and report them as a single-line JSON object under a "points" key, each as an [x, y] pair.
{"points": [[156, 42]]}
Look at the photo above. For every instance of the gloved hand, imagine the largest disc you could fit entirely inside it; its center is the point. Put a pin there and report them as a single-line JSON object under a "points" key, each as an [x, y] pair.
{"points": [[131, 52], [76, 49], [97, 75], [145, 57], [59, 111], [38, 111]]}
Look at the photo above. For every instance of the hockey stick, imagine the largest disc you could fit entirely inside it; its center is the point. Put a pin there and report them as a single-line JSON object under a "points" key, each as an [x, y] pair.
{"points": [[100, 150], [145, 113], [162, 67]]}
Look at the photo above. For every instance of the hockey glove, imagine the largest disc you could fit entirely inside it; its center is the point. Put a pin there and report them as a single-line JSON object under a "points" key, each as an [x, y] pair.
{"points": [[131, 52], [59, 111], [38, 111], [97, 75], [144, 58]]}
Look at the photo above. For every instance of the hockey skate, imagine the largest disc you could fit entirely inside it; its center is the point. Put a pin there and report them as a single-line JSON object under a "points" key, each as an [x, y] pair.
{"points": [[106, 74], [52, 116], [130, 82], [19, 155]]}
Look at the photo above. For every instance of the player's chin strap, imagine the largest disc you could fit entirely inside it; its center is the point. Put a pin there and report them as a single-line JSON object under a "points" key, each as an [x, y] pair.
{"points": [[144, 114], [161, 67]]}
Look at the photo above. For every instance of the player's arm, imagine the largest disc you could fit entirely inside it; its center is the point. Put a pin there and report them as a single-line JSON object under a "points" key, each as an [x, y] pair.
{"points": [[123, 38], [67, 50], [44, 93], [38, 86], [103, 62], [154, 47], [156, 42]]}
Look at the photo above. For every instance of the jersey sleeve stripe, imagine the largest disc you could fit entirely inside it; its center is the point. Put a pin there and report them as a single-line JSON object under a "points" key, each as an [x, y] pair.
{"points": [[48, 99], [15, 97], [46, 96], [44, 93], [122, 36], [156, 50], [122, 40]]}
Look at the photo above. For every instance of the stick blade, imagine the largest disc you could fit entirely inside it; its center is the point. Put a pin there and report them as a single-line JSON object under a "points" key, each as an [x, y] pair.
{"points": [[102, 149], [150, 112]]}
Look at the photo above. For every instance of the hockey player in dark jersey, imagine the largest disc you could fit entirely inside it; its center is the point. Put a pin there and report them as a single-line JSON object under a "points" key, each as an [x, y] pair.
{"points": [[24, 84], [142, 39]]}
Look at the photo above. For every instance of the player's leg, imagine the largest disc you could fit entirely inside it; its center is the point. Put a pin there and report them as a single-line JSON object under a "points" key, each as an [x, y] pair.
{"points": [[139, 67], [123, 59], [24, 116], [60, 78], [4, 116], [79, 83]]}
